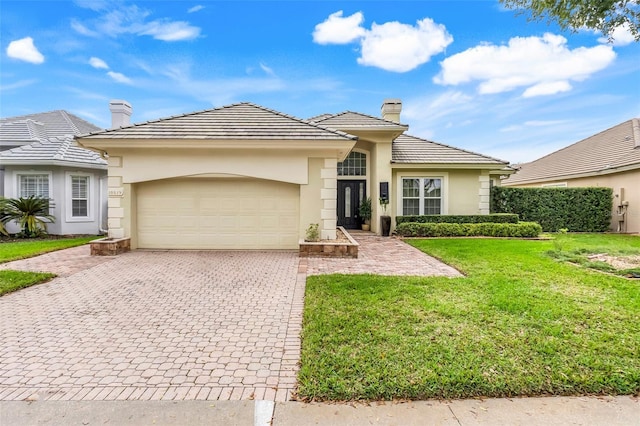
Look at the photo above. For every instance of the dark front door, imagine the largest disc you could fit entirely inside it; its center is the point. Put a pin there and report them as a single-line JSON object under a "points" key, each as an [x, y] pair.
{"points": [[350, 194]]}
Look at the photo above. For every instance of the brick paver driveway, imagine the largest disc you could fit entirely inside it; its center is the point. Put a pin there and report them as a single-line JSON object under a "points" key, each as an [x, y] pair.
{"points": [[157, 325]]}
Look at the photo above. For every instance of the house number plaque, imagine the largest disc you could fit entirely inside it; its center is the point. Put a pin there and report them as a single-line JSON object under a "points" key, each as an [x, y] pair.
{"points": [[116, 192]]}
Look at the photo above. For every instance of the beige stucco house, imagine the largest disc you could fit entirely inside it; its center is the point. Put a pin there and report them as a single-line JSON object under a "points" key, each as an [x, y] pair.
{"points": [[247, 177], [608, 159]]}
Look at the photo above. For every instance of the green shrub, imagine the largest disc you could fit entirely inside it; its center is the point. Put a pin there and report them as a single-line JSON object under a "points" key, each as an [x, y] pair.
{"points": [[477, 218], [31, 214], [576, 209], [519, 230]]}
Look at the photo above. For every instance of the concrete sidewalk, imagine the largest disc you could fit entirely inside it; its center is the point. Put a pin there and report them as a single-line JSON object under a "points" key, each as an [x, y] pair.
{"points": [[610, 411]]}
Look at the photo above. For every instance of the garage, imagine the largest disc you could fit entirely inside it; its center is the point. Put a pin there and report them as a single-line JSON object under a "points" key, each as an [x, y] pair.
{"points": [[217, 213]]}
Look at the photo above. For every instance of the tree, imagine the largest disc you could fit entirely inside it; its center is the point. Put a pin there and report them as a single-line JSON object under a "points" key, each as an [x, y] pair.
{"points": [[600, 15]]}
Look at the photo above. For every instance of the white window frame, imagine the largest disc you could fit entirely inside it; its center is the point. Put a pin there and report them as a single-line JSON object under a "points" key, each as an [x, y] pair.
{"points": [[68, 183], [444, 190], [555, 185], [19, 175]]}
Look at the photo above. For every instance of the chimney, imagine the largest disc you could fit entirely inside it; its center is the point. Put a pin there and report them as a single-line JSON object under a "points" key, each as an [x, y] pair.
{"points": [[391, 109], [120, 113]]}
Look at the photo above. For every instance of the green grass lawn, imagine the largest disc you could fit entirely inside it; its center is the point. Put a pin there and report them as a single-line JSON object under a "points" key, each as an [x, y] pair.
{"points": [[520, 323], [15, 280], [15, 250]]}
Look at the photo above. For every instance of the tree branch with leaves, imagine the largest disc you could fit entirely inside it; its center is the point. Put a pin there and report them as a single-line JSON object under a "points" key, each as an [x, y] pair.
{"points": [[600, 15]]}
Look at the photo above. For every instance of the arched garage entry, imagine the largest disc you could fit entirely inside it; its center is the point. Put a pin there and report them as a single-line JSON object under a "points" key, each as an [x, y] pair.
{"points": [[217, 213]]}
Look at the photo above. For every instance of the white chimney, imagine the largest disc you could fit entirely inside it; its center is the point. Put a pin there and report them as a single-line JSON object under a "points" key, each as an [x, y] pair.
{"points": [[120, 113], [391, 109]]}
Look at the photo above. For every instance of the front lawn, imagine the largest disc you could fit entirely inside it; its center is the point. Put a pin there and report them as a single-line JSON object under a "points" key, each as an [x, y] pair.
{"points": [[22, 249], [15, 280], [520, 323]]}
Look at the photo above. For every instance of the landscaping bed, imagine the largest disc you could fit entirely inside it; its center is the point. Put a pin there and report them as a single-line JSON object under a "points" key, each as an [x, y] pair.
{"points": [[520, 324]]}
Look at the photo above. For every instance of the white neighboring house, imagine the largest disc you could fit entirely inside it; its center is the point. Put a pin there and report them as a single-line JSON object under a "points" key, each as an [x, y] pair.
{"points": [[39, 156]]}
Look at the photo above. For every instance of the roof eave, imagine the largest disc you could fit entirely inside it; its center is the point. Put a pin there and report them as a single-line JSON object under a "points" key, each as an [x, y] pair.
{"points": [[457, 166], [58, 163], [603, 172]]}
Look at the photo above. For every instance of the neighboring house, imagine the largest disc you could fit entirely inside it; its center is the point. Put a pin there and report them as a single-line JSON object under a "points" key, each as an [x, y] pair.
{"points": [[39, 157], [247, 177], [608, 159]]}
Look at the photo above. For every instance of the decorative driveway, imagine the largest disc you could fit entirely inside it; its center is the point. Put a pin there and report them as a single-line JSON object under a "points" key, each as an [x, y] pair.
{"points": [[165, 325], [151, 325]]}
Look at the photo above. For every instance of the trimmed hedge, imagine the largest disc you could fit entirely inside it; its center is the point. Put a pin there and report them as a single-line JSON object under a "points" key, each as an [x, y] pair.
{"points": [[574, 209], [478, 218], [521, 229]]}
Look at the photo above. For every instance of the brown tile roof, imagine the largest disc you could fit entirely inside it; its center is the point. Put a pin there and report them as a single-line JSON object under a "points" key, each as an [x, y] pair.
{"points": [[413, 150], [238, 121], [607, 151], [353, 120]]}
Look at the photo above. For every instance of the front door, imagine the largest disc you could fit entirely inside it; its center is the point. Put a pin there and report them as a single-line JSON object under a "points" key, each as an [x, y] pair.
{"points": [[350, 194]]}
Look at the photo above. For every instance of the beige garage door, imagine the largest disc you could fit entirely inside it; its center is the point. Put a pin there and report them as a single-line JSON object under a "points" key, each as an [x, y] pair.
{"points": [[217, 214]]}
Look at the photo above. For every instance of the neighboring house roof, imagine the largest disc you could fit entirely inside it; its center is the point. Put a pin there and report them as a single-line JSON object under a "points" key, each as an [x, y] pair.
{"points": [[62, 151], [414, 150], [354, 120], [615, 149], [242, 121], [32, 127]]}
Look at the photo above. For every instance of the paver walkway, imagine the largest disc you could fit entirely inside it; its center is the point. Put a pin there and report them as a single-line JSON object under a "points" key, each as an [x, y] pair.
{"points": [[62, 262], [382, 256], [161, 325], [157, 325]]}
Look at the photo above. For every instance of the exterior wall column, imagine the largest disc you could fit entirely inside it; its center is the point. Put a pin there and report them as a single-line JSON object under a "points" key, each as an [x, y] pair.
{"points": [[115, 201], [329, 196], [484, 194]]}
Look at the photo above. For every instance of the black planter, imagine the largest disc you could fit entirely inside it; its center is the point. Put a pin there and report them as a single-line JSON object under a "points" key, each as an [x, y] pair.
{"points": [[385, 225]]}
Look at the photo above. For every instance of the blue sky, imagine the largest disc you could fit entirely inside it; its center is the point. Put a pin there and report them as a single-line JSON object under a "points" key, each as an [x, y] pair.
{"points": [[470, 73]]}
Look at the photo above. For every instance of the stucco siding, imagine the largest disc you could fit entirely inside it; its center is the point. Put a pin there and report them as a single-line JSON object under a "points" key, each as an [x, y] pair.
{"points": [[311, 204], [60, 193]]}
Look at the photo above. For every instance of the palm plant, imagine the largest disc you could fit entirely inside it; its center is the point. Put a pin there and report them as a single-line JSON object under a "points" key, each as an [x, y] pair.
{"points": [[3, 203], [32, 214]]}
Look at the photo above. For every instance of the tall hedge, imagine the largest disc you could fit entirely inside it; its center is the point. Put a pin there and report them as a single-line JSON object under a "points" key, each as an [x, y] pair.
{"points": [[575, 209]]}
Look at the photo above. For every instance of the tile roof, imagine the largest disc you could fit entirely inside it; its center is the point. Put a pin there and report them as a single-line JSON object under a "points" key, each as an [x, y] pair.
{"points": [[62, 150], [413, 150], [238, 121], [28, 128], [353, 120], [611, 149]]}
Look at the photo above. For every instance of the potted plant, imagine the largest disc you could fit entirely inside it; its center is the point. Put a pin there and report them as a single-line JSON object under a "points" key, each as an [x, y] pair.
{"points": [[365, 213], [385, 220]]}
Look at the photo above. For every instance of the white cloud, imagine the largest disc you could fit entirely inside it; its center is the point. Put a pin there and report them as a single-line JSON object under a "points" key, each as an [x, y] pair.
{"points": [[98, 63], [118, 19], [120, 78], [532, 123], [81, 29], [398, 47], [195, 8], [550, 88], [170, 31], [25, 50], [543, 65], [17, 85], [267, 70], [338, 30], [621, 36]]}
